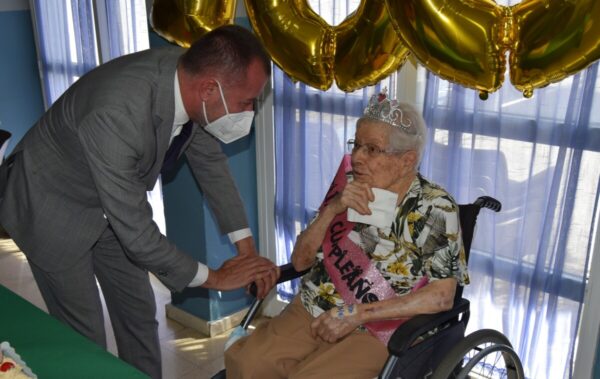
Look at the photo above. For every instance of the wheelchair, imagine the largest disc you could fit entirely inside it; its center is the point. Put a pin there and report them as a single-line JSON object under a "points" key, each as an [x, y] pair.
{"points": [[435, 346]]}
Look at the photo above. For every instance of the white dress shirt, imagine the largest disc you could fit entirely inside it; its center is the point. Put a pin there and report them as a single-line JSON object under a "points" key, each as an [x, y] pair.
{"points": [[181, 117]]}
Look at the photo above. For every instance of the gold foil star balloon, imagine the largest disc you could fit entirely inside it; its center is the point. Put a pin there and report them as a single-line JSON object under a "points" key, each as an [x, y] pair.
{"points": [[464, 41], [367, 47], [360, 51], [183, 21], [298, 39], [457, 40], [552, 40]]}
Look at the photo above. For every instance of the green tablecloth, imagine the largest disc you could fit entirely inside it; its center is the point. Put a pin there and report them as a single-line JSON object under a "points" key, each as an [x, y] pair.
{"points": [[52, 349]]}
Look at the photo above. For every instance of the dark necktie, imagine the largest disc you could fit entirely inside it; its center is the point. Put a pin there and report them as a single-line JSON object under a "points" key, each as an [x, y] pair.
{"points": [[175, 147]]}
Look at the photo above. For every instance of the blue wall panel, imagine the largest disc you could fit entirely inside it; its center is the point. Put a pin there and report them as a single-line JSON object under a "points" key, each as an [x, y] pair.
{"points": [[192, 227]]}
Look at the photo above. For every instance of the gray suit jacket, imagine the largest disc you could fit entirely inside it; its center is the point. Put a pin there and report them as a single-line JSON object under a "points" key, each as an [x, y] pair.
{"points": [[96, 152]]}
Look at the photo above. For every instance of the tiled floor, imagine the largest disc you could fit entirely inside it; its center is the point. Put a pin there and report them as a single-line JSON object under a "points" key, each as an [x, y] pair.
{"points": [[186, 353]]}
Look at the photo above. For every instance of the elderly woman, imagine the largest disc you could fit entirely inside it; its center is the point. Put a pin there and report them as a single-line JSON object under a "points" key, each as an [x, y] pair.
{"points": [[366, 277]]}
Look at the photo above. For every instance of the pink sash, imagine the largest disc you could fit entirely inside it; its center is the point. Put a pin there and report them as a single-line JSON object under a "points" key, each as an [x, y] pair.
{"points": [[351, 271]]}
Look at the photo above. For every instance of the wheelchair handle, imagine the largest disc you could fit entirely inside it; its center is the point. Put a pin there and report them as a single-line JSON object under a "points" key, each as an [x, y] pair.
{"points": [[488, 202], [287, 272]]}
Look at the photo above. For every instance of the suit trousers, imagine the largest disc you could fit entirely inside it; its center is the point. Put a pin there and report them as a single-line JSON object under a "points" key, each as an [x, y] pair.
{"points": [[283, 347], [72, 296]]}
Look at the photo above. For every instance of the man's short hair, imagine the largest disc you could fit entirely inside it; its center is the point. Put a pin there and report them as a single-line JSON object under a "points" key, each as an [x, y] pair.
{"points": [[226, 51]]}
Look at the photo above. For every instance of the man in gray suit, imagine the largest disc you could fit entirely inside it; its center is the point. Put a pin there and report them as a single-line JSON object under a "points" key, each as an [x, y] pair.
{"points": [[75, 186]]}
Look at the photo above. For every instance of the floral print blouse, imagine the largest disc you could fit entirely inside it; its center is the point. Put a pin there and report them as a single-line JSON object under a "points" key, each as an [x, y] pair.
{"points": [[423, 240]]}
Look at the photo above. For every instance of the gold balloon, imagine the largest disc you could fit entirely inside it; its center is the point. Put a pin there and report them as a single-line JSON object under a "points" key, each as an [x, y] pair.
{"points": [[459, 40], [298, 40], [367, 47], [183, 21], [361, 51], [464, 41], [554, 39]]}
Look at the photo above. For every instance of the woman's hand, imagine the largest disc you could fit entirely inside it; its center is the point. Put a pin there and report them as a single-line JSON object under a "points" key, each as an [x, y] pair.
{"points": [[355, 195], [336, 323]]}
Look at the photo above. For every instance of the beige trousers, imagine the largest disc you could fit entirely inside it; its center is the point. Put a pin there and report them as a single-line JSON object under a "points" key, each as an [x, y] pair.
{"points": [[284, 348]]}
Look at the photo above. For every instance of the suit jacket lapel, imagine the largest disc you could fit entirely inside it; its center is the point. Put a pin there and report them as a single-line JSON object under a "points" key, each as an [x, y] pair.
{"points": [[189, 140], [163, 110]]}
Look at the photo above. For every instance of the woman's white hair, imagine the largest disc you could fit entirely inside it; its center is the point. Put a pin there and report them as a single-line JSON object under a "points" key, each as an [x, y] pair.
{"points": [[405, 139]]}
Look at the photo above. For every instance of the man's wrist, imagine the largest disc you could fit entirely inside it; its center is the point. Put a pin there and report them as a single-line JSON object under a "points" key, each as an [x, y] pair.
{"points": [[201, 276], [211, 279], [246, 246], [239, 235]]}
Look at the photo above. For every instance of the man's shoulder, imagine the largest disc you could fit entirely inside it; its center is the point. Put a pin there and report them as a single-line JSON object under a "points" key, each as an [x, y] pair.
{"points": [[160, 51], [136, 65], [129, 83]]}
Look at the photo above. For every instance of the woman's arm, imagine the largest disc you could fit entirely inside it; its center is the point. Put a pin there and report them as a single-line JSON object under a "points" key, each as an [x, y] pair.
{"points": [[338, 322], [355, 195], [435, 297], [308, 242]]}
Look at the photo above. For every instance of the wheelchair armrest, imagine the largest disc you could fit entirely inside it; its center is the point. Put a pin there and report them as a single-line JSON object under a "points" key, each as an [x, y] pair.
{"points": [[287, 272], [407, 333]]}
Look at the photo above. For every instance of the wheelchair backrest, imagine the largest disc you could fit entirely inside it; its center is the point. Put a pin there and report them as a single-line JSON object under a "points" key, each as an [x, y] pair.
{"points": [[468, 218]]}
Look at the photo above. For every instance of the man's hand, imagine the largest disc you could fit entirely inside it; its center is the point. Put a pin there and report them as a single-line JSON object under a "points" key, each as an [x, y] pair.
{"points": [[240, 271], [246, 248], [336, 323]]}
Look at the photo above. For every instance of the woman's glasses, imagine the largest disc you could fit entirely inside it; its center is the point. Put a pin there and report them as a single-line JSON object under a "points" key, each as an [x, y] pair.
{"points": [[371, 149]]}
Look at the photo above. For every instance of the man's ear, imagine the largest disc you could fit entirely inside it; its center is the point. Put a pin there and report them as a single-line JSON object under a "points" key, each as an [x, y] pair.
{"points": [[206, 87]]}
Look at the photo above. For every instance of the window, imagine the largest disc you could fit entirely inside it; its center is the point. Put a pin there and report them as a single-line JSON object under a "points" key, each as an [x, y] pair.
{"points": [[74, 36], [540, 158]]}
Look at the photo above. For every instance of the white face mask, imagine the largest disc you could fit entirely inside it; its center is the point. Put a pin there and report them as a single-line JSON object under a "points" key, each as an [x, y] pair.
{"points": [[231, 126]]}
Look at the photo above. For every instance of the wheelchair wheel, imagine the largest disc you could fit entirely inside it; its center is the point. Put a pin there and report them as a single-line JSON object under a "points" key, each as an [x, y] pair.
{"points": [[485, 353]]}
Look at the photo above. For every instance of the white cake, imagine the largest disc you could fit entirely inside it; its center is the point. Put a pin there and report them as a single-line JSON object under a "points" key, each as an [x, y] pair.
{"points": [[9, 369], [11, 364]]}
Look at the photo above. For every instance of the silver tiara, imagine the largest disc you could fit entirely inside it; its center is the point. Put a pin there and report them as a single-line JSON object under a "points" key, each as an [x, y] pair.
{"points": [[382, 109]]}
